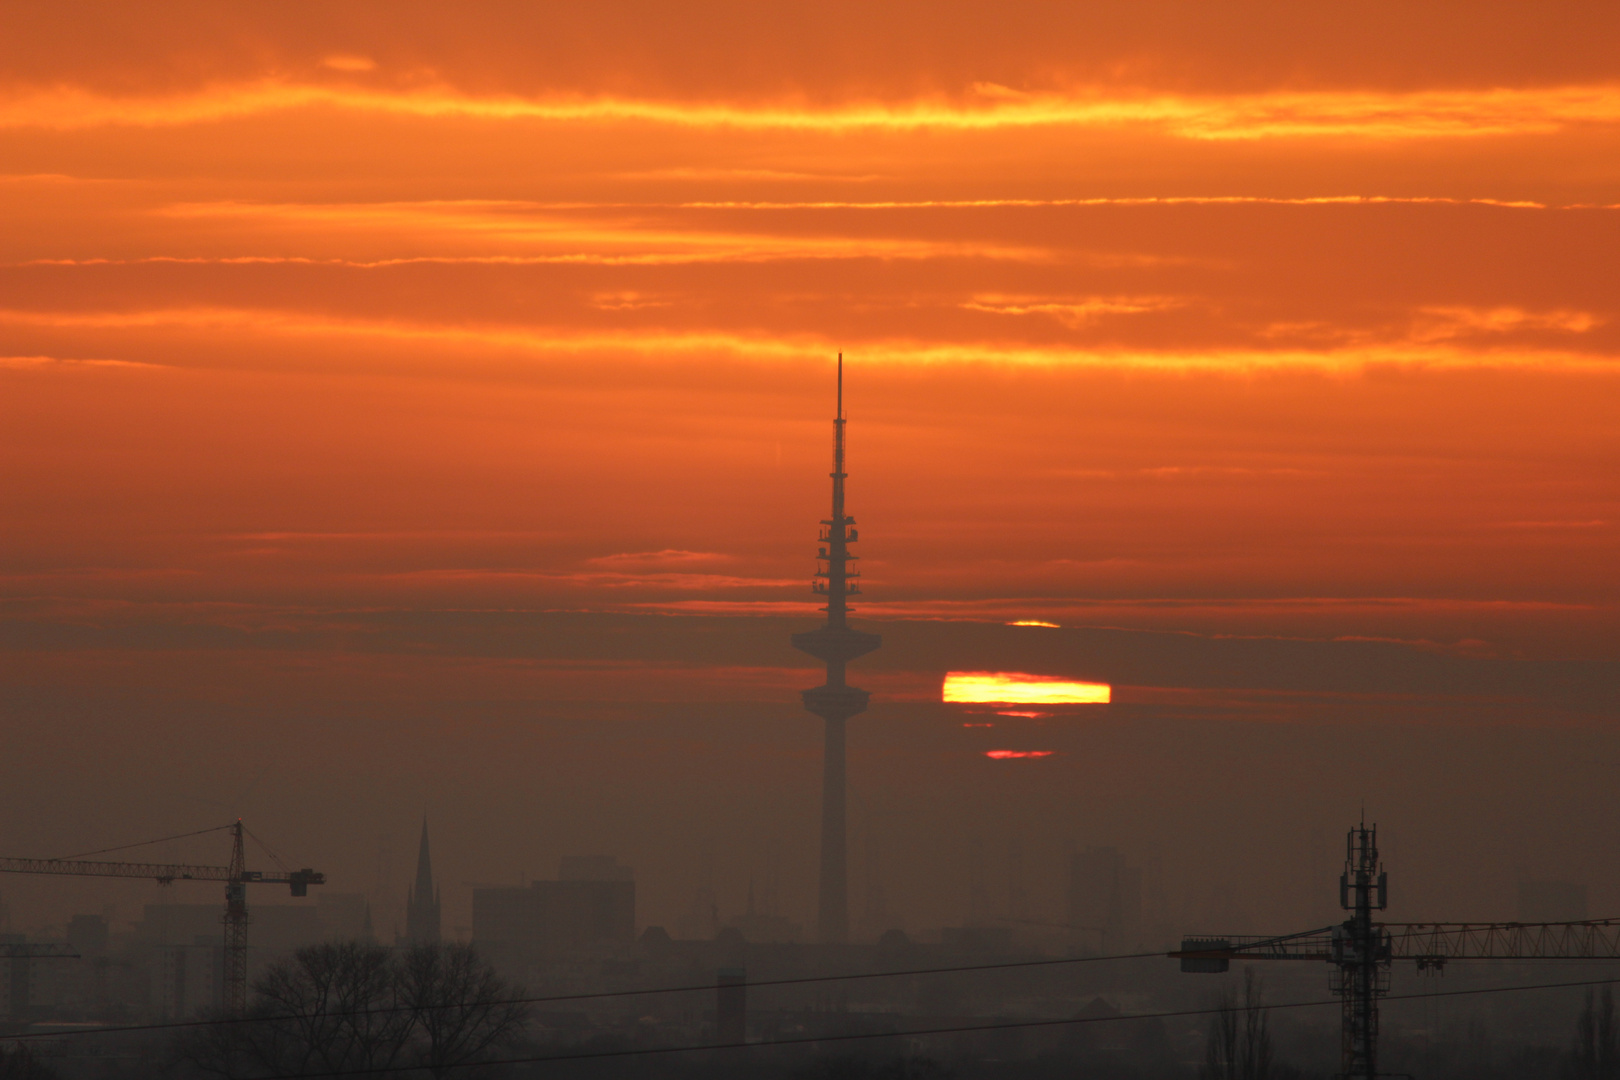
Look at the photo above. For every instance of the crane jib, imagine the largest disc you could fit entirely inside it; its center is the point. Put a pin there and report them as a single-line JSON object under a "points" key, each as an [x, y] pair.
{"points": [[163, 873]]}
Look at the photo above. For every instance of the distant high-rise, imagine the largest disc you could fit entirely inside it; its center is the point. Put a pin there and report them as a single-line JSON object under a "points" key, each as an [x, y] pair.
{"points": [[592, 902], [835, 701], [1105, 896], [422, 924]]}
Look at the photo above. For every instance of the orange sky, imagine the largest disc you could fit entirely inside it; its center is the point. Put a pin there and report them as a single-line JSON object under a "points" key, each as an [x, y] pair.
{"points": [[1282, 324]]}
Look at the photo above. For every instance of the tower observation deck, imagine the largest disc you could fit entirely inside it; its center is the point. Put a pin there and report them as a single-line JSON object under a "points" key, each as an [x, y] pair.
{"points": [[835, 701]]}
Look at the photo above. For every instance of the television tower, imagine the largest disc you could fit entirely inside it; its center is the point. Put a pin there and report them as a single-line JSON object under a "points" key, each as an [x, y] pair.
{"points": [[835, 701]]}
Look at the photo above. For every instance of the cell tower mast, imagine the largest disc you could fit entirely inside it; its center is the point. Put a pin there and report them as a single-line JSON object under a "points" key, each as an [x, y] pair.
{"points": [[1361, 951], [835, 701]]}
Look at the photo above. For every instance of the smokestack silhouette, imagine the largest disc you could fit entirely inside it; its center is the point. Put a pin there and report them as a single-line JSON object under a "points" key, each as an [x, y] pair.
{"points": [[835, 701]]}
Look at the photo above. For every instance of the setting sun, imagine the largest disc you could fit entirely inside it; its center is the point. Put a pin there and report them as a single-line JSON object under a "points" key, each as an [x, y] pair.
{"points": [[1017, 688]]}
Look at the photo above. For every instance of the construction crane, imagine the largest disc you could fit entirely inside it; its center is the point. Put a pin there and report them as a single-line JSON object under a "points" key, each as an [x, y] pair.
{"points": [[1363, 951], [236, 877]]}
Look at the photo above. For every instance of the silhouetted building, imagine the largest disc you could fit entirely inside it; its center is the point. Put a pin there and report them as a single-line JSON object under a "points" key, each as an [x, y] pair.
{"points": [[731, 1005], [977, 938], [979, 913], [276, 927], [1017, 893], [702, 921], [344, 916], [593, 901], [190, 979], [877, 919], [422, 919], [88, 934], [835, 701], [15, 988], [1105, 896], [761, 923], [1551, 901]]}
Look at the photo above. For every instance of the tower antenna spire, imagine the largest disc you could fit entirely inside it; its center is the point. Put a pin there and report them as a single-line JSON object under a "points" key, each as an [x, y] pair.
{"points": [[835, 701]]}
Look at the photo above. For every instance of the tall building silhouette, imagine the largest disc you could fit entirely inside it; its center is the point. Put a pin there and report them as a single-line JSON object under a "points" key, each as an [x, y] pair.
{"points": [[835, 701], [1105, 896], [422, 925]]}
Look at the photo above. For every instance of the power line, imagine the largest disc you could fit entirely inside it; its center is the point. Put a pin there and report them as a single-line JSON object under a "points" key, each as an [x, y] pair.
{"points": [[947, 1030], [600, 994], [181, 1025]]}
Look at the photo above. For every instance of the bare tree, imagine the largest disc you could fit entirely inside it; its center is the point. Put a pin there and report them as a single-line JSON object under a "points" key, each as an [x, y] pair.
{"points": [[1596, 1054], [1255, 1054], [328, 1008], [1221, 1047], [461, 1010], [1239, 1044], [354, 1007]]}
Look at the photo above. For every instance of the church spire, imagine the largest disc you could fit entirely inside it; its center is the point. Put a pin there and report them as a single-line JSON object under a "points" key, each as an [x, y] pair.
{"points": [[424, 865], [422, 923]]}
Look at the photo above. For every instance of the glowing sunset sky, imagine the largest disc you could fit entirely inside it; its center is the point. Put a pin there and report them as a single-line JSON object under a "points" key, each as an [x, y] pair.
{"points": [[1148, 327], [1277, 324]]}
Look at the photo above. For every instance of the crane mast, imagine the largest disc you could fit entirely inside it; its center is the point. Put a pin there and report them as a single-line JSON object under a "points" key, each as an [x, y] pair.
{"points": [[236, 924], [1361, 951]]}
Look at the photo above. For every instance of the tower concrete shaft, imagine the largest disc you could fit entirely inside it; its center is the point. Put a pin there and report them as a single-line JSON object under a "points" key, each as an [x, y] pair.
{"points": [[835, 701]]}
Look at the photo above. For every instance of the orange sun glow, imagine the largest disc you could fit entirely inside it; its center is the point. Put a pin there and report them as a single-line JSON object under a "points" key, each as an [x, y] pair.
{"points": [[1018, 688]]}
